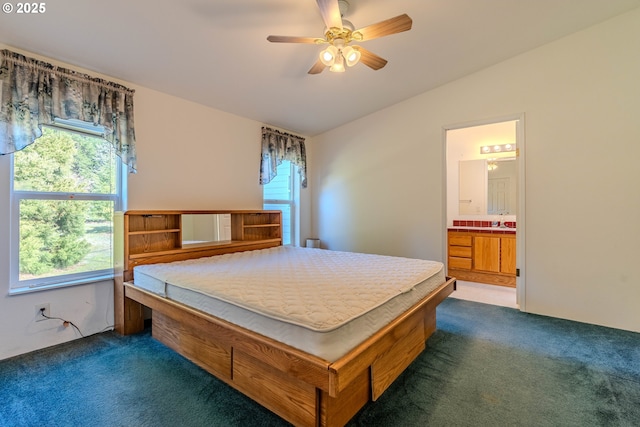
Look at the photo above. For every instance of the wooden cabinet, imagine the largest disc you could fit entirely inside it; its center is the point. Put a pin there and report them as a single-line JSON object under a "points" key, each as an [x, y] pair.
{"points": [[508, 255], [486, 253], [483, 257], [461, 252]]}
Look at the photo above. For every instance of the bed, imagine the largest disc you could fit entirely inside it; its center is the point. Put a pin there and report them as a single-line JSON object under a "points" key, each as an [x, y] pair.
{"points": [[310, 334]]}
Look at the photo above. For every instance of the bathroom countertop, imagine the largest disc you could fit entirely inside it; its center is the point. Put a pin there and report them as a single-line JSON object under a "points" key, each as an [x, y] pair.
{"points": [[494, 230]]}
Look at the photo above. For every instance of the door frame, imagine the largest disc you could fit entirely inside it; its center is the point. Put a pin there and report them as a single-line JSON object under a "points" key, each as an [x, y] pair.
{"points": [[519, 118]]}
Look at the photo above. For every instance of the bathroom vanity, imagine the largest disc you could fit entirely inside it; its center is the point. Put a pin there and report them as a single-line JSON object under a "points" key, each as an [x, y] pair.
{"points": [[482, 255]]}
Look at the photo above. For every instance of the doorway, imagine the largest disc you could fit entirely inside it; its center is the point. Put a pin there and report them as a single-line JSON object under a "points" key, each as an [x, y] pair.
{"points": [[489, 200]]}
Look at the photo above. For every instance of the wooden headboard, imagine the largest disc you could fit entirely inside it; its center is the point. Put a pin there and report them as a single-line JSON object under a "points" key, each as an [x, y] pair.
{"points": [[156, 236]]}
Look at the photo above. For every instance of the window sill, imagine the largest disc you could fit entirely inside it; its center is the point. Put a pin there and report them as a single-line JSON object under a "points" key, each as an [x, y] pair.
{"points": [[51, 286]]}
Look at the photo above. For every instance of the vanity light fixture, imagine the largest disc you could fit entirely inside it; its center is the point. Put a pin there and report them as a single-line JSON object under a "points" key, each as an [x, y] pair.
{"points": [[504, 148]]}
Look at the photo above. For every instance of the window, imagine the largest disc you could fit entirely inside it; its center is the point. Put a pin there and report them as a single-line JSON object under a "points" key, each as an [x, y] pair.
{"points": [[65, 189], [281, 194]]}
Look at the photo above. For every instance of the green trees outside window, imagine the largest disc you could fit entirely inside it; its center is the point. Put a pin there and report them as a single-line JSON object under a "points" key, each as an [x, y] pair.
{"points": [[65, 185]]}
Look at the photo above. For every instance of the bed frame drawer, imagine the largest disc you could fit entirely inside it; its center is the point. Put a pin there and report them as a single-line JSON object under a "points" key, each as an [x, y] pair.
{"points": [[388, 366], [292, 399], [212, 357]]}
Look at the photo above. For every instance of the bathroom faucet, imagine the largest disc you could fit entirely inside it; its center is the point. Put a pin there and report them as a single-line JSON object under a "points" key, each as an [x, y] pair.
{"points": [[502, 221]]}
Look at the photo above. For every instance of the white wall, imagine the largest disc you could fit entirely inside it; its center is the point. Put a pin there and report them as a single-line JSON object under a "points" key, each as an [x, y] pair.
{"points": [[193, 157], [189, 157], [379, 181]]}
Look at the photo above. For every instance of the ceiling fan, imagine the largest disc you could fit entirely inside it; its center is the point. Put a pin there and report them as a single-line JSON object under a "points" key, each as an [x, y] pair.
{"points": [[340, 34]]}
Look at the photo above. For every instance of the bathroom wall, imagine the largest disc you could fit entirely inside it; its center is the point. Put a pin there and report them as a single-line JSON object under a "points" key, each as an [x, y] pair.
{"points": [[463, 144]]}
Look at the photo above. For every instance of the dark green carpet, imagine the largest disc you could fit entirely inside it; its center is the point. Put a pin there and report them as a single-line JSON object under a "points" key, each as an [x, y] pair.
{"points": [[484, 366]]}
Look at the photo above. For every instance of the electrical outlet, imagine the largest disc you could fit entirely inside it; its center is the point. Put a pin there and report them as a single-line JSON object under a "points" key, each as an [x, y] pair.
{"points": [[47, 312]]}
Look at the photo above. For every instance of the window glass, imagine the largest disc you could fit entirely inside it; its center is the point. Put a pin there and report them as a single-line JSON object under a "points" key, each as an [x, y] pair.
{"points": [[279, 188], [62, 237], [66, 188], [66, 161], [279, 194]]}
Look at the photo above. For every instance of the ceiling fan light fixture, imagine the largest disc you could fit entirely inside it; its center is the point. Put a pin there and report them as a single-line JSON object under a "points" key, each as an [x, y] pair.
{"points": [[329, 55], [338, 65], [351, 55], [337, 68], [339, 33]]}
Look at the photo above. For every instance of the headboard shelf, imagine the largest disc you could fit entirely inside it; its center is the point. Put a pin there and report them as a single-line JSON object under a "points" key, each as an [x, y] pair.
{"points": [[156, 236], [169, 230], [205, 246]]}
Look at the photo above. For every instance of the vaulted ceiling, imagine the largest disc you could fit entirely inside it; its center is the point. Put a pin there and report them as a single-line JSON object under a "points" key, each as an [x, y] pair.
{"points": [[216, 53]]}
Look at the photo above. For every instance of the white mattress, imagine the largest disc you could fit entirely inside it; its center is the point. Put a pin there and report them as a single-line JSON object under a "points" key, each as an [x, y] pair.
{"points": [[323, 302]]}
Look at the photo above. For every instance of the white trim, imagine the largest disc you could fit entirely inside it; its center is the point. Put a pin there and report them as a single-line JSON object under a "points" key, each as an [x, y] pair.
{"points": [[520, 213], [445, 234], [483, 122], [520, 216], [79, 126], [295, 206], [47, 287]]}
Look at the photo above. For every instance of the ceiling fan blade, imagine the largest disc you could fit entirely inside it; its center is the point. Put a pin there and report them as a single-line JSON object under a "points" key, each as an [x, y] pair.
{"points": [[370, 59], [385, 28], [330, 12], [292, 39], [317, 68]]}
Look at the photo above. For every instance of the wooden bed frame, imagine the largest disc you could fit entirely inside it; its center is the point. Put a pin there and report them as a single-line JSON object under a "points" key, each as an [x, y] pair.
{"points": [[301, 388]]}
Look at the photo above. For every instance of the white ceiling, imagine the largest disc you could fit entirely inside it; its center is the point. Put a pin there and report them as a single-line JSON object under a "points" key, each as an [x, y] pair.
{"points": [[215, 52]]}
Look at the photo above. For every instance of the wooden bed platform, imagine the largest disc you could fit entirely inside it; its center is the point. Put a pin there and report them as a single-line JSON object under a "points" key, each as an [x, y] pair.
{"points": [[301, 388]]}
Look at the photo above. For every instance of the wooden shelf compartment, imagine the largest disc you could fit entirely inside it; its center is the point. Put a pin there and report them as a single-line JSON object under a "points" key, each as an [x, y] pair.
{"points": [[154, 222], [145, 243], [150, 232], [260, 219], [256, 226], [171, 230]]}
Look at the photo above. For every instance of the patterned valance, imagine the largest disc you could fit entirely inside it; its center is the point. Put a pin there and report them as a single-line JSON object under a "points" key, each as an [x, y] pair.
{"points": [[34, 93], [278, 146]]}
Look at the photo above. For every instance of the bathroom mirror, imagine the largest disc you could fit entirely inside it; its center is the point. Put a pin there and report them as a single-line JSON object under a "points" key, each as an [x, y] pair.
{"points": [[205, 229], [488, 187]]}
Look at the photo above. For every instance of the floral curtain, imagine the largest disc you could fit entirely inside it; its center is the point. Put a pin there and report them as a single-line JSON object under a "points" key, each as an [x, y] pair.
{"points": [[34, 93], [278, 146]]}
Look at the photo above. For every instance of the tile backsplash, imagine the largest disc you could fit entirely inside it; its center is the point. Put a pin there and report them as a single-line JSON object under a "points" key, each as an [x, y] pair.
{"points": [[470, 223]]}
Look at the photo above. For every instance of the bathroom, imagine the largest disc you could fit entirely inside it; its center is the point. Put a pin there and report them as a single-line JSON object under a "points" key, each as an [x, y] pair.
{"points": [[483, 189]]}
